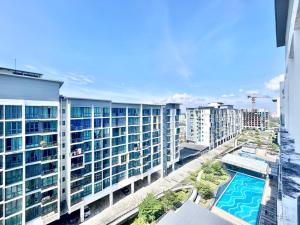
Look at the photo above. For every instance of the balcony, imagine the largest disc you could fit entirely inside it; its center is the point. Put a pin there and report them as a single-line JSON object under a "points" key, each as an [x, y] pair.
{"points": [[76, 165], [44, 144], [77, 152], [44, 173], [49, 199]]}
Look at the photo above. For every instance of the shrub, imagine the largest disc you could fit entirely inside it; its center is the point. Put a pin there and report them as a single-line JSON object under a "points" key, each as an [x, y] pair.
{"points": [[150, 208], [139, 221], [205, 190], [182, 195], [169, 200]]}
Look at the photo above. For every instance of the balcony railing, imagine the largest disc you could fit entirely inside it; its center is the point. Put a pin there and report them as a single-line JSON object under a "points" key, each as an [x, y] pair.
{"points": [[48, 199], [77, 152], [49, 171], [76, 165]]}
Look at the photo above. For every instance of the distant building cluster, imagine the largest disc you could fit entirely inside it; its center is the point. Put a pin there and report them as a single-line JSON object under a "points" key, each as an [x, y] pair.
{"points": [[59, 154], [213, 125]]}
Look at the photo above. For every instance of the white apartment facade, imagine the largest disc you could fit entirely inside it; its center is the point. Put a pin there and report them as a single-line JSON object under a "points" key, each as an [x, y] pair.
{"points": [[287, 14], [213, 125], [29, 144], [59, 154]]}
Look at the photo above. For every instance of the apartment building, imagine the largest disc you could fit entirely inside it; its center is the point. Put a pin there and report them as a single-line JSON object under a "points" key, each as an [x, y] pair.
{"points": [[182, 126], [287, 15], [60, 154], [213, 125], [256, 119], [29, 144], [171, 135]]}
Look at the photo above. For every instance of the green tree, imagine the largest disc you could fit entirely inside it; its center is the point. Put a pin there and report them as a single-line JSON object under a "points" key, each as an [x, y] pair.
{"points": [[150, 208], [205, 190]]}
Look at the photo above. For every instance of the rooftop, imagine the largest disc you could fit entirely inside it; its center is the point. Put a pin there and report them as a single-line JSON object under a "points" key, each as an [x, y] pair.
{"points": [[192, 214], [26, 74], [246, 163]]}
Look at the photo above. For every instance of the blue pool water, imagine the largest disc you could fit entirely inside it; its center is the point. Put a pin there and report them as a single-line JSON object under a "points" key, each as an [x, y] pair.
{"points": [[242, 197]]}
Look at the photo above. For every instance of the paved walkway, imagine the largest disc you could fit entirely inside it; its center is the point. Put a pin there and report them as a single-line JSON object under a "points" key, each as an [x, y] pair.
{"points": [[132, 201]]}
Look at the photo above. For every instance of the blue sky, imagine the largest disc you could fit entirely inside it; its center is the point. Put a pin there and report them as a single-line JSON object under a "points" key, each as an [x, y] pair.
{"points": [[192, 51]]}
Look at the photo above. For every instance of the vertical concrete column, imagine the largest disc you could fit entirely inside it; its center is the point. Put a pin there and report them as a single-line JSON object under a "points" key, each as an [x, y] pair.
{"points": [[149, 179], [111, 199], [132, 188], [81, 214], [173, 166]]}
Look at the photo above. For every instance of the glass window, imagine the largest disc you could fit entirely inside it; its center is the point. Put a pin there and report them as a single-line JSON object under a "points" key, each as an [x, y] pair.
{"points": [[13, 207], [33, 156], [13, 160], [13, 144], [13, 128], [13, 176], [97, 122], [33, 184], [80, 112], [14, 220], [40, 112], [97, 112], [33, 199], [33, 170], [1, 112], [32, 142], [49, 181], [1, 128], [40, 126], [80, 124], [1, 145], [106, 112], [118, 111], [87, 190], [33, 213], [13, 191], [13, 112], [98, 187], [49, 208]]}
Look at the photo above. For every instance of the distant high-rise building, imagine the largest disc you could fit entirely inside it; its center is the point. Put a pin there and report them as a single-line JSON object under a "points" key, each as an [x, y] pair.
{"points": [[256, 119], [59, 154], [213, 125], [287, 14]]}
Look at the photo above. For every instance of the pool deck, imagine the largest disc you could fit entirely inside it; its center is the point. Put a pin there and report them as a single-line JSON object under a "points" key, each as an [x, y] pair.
{"points": [[227, 216]]}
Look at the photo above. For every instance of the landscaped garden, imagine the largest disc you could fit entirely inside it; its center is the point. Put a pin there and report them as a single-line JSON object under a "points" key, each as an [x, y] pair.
{"points": [[151, 208], [262, 139], [207, 180]]}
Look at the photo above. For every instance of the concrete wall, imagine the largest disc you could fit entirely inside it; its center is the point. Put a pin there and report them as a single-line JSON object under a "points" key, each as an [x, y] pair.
{"points": [[14, 87]]}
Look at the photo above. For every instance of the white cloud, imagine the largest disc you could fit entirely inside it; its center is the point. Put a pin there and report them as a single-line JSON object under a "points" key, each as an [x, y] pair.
{"points": [[274, 83], [241, 90], [228, 95]]}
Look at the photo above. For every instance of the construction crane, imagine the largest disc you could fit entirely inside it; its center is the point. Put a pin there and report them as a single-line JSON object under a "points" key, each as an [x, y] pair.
{"points": [[254, 97]]}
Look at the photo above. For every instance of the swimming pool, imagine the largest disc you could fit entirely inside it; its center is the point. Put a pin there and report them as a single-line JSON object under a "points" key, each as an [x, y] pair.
{"points": [[242, 197]]}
